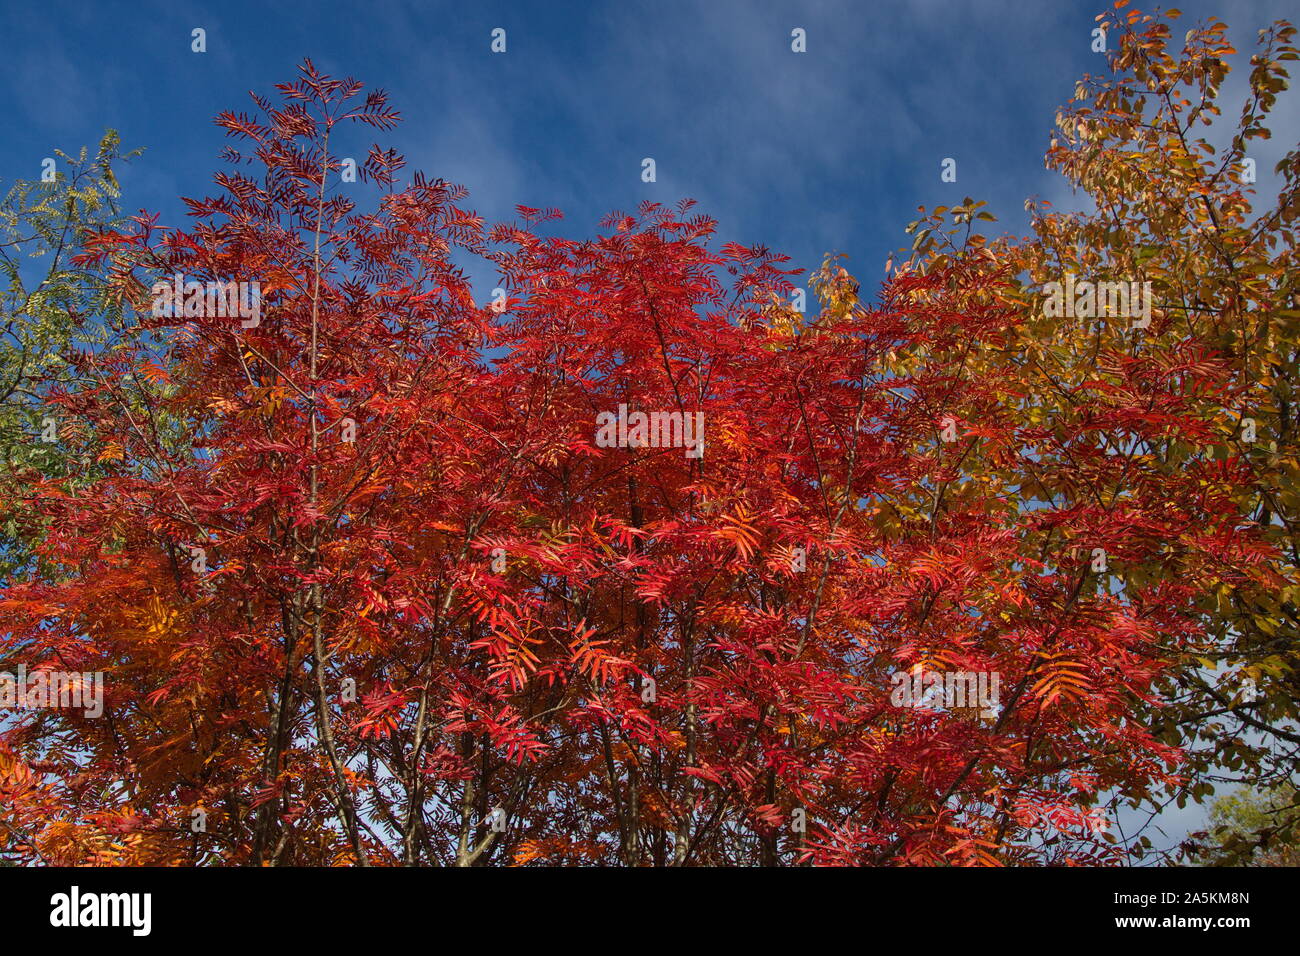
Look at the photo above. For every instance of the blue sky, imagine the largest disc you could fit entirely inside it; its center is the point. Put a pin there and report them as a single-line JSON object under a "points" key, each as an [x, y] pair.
{"points": [[831, 150]]}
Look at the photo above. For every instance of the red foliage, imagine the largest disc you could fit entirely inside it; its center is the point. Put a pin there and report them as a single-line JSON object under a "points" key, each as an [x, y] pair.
{"points": [[474, 635]]}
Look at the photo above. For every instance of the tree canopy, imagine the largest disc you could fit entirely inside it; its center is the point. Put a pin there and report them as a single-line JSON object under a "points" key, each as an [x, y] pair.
{"points": [[641, 560]]}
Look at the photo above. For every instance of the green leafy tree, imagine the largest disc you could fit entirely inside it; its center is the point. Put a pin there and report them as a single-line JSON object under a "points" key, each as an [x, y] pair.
{"points": [[1251, 827], [49, 305]]}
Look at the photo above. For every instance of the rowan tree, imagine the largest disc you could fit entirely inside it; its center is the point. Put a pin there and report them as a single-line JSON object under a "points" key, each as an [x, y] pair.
{"points": [[369, 586]]}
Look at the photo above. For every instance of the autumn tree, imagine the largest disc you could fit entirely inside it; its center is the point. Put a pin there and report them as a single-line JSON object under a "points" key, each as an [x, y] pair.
{"points": [[242, 454], [375, 579], [1202, 383]]}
